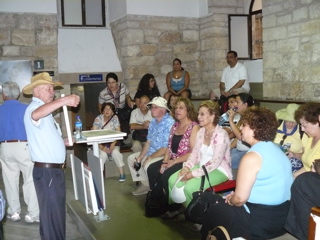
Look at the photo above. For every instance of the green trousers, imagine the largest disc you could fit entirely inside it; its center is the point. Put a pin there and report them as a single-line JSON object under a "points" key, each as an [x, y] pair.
{"points": [[216, 177]]}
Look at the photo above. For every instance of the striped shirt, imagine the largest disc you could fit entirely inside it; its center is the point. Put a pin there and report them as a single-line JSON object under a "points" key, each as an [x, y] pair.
{"points": [[104, 96]]}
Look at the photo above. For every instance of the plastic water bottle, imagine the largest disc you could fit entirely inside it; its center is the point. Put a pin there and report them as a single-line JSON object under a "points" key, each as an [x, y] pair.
{"points": [[78, 128], [225, 117]]}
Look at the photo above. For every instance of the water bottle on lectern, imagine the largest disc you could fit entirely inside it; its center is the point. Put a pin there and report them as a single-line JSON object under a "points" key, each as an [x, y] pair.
{"points": [[78, 128], [225, 117]]}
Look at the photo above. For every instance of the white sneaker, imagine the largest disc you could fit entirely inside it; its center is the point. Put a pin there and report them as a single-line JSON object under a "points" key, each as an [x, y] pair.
{"points": [[14, 217], [30, 219], [141, 190]]}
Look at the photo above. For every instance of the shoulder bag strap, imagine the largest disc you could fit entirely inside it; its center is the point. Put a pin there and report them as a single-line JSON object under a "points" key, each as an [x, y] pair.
{"points": [[157, 179], [107, 121], [207, 176], [223, 229], [202, 183]]}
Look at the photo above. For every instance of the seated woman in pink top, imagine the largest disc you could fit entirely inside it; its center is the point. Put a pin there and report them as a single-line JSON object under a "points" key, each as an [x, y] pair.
{"points": [[181, 141], [212, 149]]}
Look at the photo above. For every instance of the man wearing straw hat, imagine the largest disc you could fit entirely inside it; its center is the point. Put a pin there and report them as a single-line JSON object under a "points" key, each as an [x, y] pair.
{"points": [[48, 152]]}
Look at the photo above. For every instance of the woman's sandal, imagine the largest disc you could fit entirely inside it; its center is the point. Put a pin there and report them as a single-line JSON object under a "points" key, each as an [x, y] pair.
{"points": [[173, 214], [179, 218], [169, 215], [196, 227]]}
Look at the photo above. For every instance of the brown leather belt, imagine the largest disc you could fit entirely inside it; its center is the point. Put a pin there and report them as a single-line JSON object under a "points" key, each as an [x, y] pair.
{"points": [[47, 165], [11, 141]]}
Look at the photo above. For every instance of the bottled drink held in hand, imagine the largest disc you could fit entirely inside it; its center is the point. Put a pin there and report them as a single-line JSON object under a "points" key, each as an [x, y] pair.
{"points": [[78, 128], [137, 166], [225, 117]]}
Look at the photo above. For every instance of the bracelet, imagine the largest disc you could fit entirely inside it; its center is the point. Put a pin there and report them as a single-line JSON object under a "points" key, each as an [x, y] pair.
{"points": [[229, 201]]}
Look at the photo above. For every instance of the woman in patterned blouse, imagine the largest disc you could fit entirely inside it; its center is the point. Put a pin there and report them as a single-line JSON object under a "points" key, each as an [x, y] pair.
{"points": [[109, 121], [212, 149], [181, 141]]}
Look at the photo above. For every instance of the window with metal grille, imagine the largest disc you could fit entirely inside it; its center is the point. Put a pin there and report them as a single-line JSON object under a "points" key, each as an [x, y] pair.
{"points": [[83, 13]]}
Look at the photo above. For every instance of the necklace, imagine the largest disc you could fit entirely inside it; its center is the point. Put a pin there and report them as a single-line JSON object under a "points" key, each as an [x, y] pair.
{"points": [[208, 134], [176, 75]]}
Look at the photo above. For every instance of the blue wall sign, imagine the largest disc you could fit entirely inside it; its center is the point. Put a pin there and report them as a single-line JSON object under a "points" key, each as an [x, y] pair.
{"points": [[90, 77]]}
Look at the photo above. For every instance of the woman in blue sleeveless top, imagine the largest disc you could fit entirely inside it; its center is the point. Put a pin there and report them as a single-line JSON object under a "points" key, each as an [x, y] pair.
{"points": [[258, 207], [178, 81]]}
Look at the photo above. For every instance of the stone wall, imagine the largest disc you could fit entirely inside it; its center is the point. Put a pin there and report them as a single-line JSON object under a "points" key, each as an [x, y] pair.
{"points": [[291, 35], [30, 37], [145, 44], [148, 44], [214, 41]]}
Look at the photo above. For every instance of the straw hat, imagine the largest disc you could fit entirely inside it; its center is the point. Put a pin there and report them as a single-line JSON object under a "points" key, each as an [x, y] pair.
{"points": [[287, 114], [39, 79], [159, 101]]}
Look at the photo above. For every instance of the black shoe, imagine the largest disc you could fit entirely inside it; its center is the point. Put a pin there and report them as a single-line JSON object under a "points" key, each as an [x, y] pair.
{"points": [[124, 146]]}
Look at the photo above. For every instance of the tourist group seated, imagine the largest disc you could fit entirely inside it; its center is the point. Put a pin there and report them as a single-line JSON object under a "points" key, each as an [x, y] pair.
{"points": [[271, 155]]}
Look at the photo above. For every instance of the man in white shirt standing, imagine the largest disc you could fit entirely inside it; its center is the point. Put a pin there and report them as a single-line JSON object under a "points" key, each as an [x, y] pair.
{"points": [[234, 78]]}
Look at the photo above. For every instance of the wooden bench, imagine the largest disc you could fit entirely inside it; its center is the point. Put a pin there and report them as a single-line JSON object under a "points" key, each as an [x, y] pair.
{"points": [[312, 224]]}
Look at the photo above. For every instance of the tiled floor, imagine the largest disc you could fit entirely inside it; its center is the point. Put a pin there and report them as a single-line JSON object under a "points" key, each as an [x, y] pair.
{"points": [[21, 230], [127, 220]]}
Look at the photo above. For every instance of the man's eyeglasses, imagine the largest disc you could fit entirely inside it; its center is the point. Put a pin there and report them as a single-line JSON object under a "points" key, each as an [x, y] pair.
{"points": [[282, 141]]}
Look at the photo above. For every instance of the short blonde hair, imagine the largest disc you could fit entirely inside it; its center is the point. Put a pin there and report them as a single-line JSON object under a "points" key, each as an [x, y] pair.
{"points": [[213, 108]]}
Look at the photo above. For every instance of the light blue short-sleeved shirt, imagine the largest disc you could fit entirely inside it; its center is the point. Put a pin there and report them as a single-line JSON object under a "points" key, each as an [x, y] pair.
{"points": [[44, 136], [273, 183], [158, 133]]}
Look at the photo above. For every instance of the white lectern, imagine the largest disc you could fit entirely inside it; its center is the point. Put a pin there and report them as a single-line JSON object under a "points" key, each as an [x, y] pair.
{"points": [[94, 138]]}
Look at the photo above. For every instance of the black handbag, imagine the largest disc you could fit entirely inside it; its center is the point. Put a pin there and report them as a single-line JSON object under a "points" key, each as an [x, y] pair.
{"points": [[155, 205], [201, 201], [140, 135], [124, 113]]}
